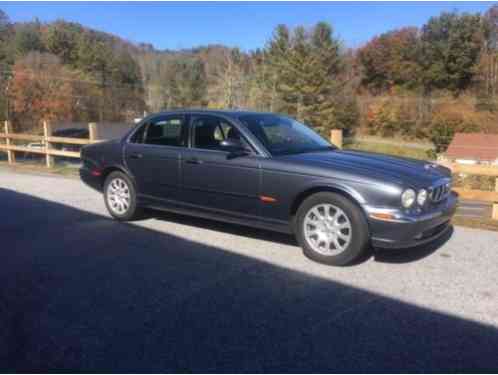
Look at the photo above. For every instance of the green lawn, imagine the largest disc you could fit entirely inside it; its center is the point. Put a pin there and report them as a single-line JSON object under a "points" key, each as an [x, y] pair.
{"points": [[26, 166], [395, 150]]}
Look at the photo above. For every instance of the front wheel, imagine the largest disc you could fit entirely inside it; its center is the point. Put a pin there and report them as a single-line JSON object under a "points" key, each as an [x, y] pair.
{"points": [[331, 229], [120, 197]]}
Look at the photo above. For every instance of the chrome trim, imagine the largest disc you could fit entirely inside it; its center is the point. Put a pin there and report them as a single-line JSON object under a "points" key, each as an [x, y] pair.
{"points": [[440, 190]]}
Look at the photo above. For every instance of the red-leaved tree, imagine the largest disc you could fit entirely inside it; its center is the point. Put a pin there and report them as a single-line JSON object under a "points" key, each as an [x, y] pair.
{"points": [[41, 89]]}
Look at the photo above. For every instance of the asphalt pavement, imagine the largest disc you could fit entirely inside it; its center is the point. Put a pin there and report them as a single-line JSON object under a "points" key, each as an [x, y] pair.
{"points": [[81, 292], [474, 209]]}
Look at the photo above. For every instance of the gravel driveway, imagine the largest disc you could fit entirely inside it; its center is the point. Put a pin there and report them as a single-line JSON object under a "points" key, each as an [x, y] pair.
{"points": [[80, 292]]}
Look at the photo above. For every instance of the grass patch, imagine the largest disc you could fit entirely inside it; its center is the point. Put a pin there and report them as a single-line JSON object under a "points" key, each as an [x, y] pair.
{"points": [[483, 222], [477, 222], [35, 167], [474, 182], [388, 149]]}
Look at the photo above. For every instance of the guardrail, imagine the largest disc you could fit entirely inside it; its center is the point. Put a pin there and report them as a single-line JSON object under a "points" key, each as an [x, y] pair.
{"points": [[47, 141]]}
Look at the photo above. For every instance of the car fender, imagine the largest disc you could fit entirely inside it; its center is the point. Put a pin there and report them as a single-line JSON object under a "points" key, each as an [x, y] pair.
{"points": [[326, 184]]}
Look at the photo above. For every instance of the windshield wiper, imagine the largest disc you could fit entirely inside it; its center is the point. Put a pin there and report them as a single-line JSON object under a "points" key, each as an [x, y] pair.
{"points": [[303, 150], [319, 149]]}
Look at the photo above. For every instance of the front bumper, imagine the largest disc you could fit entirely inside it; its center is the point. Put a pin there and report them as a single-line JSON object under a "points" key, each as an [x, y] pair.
{"points": [[413, 230]]}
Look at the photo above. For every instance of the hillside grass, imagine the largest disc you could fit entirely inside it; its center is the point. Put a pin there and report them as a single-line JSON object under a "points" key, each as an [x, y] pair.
{"points": [[389, 149], [477, 223], [36, 167]]}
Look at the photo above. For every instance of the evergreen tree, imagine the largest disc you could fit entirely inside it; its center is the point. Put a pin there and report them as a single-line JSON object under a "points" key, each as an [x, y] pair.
{"points": [[62, 40], [451, 44], [305, 67], [28, 39]]}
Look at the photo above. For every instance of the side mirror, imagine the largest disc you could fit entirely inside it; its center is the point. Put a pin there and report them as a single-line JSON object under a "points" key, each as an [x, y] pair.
{"points": [[234, 147]]}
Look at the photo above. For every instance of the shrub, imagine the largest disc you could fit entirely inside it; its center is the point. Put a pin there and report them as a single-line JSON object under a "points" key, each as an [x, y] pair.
{"points": [[443, 127], [346, 115], [485, 104], [389, 118]]}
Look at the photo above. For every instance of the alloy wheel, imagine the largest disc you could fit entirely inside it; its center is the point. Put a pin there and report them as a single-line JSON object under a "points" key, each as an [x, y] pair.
{"points": [[327, 229]]}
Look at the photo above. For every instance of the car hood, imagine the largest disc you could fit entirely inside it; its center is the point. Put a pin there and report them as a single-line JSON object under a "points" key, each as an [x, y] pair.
{"points": [[413, 172]]}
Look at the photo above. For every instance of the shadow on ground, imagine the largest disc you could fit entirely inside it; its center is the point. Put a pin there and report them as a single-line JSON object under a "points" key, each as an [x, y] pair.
{"points": [[239, 230], [80, 292], [380, 255], [411, 254]]}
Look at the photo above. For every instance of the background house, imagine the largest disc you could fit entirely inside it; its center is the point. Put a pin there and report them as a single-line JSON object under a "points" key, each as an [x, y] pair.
{"points": [[473, 148]]}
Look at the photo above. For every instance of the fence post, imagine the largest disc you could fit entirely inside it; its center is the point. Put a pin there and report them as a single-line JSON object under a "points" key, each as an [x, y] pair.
{"points": [[47, 132], [92, 131], [494, 214], [11, 156], [336, 137]]}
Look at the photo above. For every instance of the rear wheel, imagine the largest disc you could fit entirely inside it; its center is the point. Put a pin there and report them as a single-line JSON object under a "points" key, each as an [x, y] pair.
{"points": [[331, 229], [120, 197]]}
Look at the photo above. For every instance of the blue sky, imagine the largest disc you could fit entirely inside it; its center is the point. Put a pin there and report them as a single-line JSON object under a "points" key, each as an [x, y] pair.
{"points": [[247, 25]]}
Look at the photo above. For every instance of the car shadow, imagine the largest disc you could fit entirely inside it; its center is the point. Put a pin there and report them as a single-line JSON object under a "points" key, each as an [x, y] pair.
{"points": [[414, 253], [80, 292], [379, 255], [235, 229]]}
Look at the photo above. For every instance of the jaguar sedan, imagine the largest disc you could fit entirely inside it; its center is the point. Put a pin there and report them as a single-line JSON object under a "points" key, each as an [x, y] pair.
{"points": [[270, 171]]}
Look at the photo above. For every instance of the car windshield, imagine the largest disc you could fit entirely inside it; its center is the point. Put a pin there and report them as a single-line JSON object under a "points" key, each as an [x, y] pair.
{"points": [[283, 136]]}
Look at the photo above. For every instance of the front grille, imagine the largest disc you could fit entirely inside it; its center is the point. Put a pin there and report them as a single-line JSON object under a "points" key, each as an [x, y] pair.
{"points": [[440, 192]]}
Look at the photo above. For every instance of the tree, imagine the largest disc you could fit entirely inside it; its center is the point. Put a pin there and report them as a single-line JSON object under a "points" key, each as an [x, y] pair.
{"points": [[184, 84], [229, 81], [306, 66], [391, 59], [41, 89], [61, 39], [444, 126], [6, 60], [28, 39], [487, 68], [278, 52], [451, 44], [261, 82], [4, 23]]}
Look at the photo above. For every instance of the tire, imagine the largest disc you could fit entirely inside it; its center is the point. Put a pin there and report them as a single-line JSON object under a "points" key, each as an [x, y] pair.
{"points": [[337, 238], [124, 206]]}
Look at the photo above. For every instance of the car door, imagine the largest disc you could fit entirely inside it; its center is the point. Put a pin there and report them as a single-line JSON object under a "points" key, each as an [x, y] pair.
{"points": [[211, 177], [153, 156]]}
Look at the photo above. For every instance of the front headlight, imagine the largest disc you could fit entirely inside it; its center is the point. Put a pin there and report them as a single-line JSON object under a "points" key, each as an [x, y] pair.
{"points": [[408, 198], [421, 197]]}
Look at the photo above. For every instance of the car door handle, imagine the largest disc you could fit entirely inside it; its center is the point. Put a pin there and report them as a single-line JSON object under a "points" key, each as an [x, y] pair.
{"points": [[194, 161], [136, 156]]}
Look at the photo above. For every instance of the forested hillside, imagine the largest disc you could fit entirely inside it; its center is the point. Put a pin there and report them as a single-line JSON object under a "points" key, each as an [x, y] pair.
{"points": [[422, 83]]}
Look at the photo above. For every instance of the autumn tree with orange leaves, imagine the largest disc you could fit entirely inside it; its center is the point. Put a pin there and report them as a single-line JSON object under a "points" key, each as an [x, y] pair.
{"points": [[391, 59], [41, 89]]}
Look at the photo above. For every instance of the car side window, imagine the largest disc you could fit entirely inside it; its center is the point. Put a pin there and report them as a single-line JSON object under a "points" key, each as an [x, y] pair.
{"points": [[163, 132], [138, 136], [209, 131]]}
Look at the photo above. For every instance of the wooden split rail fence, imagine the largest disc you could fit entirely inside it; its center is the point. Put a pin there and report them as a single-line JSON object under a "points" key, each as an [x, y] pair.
{"points": [[480, 170], [46, 140], [479, 195], [336, 137]]}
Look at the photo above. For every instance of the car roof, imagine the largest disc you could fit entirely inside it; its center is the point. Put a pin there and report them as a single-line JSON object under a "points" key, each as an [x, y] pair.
{"points": [[234, 113]]}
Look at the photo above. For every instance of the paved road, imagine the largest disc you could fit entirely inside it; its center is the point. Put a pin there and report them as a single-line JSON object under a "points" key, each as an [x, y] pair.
{"points": [[80, 292], [474, 209]]}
